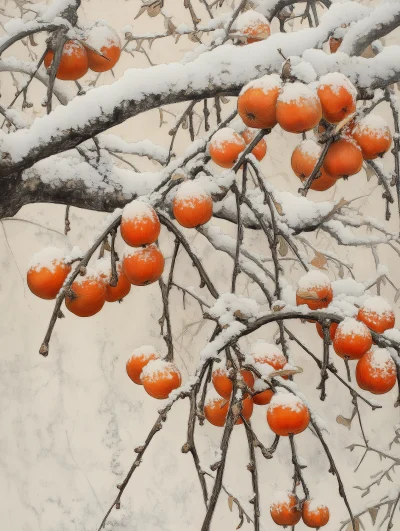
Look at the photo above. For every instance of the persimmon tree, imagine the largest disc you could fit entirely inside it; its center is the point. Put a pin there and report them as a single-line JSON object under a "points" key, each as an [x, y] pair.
{"points": [[320, 73]]}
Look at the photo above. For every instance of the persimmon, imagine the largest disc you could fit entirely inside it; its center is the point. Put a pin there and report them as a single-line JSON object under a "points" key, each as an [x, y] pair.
{"points": [[192, 205], [343, 158], [73, 64], [123, 287], [315, 290], [263, 352], [143, 266], [87, 294], [47, 273], [376, 371], [352, 339], [377, 314], [304, 159], [216, 409], [334, 44], [257, 102], [223, 385], [225, 147], [253, 25], [139, 224], [159, 378], [140, 358], [285, 509], [298, 108], [287, 414], [264, 393], [260, 149], [105, 40], [338, 97], [373, 135], [332, 330], [315, 513]]}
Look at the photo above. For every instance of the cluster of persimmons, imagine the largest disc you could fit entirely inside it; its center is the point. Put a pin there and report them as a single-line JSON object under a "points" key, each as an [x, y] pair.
{"points": [[99, 51]]}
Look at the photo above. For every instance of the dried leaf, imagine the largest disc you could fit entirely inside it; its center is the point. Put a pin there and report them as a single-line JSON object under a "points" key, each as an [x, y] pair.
{"points": [[154, 9], [224, 100], [230, 502], [140, 12], [373, 512], [343, 421], [350, 526], [341, 271], [319, 260], [170, 26], [185, 123], [32, 41], [309, 295], [368, 171], [278, 207], [239, 314], [283, 248], [336, 208], [277, 307], [194, 37], [285, 372]]}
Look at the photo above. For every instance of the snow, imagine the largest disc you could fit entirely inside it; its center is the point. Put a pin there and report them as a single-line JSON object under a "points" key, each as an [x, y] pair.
{"points": [[100, 36], [158, 368], [336, 80], [279, 498], [91, 275], [347, 287], [265, 83], [248, 20], [138, 210], [310, 147], [72, 47], [48, 258], [103, 266], [191, 190], [352, 327], [377, 305], [143, 148], [315, 504], [302, 70], [296, 92], [145, 351], [260, 385], [380, 361], [55, 9], [228, 304], [286, 401], [226, 135], [313, 279], [267, 352], [373, 125], [213, 397], [144, 253]]}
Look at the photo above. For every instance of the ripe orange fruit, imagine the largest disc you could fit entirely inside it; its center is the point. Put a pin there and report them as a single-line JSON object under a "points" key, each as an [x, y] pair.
{"points": [[192, 205], [376, 371], [74, 61], [332, 330], [159, 378], [377, 314], [298, 108], [216, 409], [373, 136], [343, 158], [334, 44], [105, 40], [315, 513], [259, 150], [139, 224], [123, 287], [88, 295], [337, 95], [257, 102], [352, 339], [143, 266], [314, 289], [253, 25], [284, 508], [287, 414], [47, 273], [267, 353], [304, 158], [139, 359], [264, 397], [225, 147], [223, 385]]}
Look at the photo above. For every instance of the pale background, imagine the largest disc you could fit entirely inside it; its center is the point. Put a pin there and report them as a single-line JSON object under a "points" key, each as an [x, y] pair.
{"points": [[69, 423]]}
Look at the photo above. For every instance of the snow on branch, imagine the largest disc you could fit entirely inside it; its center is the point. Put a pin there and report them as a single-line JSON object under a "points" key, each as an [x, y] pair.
{"points": [[223, 70]]}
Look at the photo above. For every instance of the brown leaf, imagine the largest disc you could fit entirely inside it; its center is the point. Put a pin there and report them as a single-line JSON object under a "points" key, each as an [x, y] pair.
{"points": [[341, 271], [319, 260], [194, 37], [230, 502], [343, 421], [278, 207], [309, 295], [336, 208], [239, 314], [350, 526], [373, 512], [277, 307], [32, 41], [224, 99], [170, 26], [369, 171], [154, 9], [285, 372], [140, 12], [283, 248]]}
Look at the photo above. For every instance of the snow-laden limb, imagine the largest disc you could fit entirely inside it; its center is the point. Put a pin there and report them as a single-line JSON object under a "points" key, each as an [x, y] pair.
{"points": [[142, 148], [270, 8], [223, 70], [381, 21], [17, 32]]}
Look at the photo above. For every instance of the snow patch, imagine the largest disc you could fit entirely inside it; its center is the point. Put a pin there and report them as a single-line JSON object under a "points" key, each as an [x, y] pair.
{"points": [[156, 369], [48, 258], [336, 81], [296, 92], [313, 279]]}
